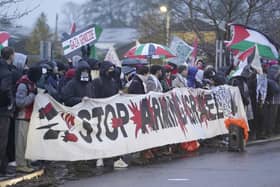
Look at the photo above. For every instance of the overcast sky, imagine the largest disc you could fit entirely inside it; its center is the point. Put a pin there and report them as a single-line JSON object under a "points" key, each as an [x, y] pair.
{"points": [[50, 7]]}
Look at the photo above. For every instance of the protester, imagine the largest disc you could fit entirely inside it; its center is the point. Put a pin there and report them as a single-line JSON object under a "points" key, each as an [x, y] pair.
{"points": [[138, 83], [79, 87], [25, 96], [6, 104], [166, 81], [181, 78], [75, 61], [153, 80], [106, 85], [241, 82], [18, 68]]}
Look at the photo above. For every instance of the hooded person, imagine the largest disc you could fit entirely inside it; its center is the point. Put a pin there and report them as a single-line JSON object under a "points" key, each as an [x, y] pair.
{"points": [[138, 82], [78, 87], [75, 61], [25, 96], [106, 85]]}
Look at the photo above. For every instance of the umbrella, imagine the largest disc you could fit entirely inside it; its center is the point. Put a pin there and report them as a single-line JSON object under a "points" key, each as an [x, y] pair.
{"points": [[150, 51], [127, 70], [133, 62]]}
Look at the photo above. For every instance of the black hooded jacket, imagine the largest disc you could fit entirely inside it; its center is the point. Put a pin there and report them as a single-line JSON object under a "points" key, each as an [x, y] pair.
{"points": [[76, 89], [105, 86], [6, 90]]}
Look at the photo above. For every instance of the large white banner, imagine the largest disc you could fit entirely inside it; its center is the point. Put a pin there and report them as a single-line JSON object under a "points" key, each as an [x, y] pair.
{"points": [[122, 124]]}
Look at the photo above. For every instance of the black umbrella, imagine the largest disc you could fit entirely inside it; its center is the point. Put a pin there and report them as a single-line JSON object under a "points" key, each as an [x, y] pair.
{"points": [[128, 69], [133, 62]]}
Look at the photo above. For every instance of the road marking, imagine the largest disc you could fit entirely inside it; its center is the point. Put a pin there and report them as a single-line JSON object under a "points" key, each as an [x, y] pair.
{"points": [[178, 179]]}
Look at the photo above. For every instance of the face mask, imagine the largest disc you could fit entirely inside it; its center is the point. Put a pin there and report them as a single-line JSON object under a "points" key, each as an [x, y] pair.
{"points": [[44, 70], [111, 73], [84, 76]]}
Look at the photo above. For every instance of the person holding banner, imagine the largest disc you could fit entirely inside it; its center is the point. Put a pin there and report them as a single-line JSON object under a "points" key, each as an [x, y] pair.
{"points": [[105, 86], [25, 96], [80, 86]]}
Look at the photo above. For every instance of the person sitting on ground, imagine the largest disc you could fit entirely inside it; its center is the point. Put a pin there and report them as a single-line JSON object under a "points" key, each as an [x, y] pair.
{"points": [[25, 96]]}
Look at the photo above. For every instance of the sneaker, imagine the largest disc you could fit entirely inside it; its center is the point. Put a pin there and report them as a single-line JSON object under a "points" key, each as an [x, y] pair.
{"points": [[120, 164], [24, 169], [99, 163]]}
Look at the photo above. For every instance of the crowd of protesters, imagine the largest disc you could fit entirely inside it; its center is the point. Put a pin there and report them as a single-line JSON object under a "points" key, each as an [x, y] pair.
{"points": [[83, 77]]}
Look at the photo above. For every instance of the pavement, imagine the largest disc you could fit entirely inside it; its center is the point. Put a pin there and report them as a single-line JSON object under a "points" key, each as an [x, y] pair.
{"points": [[84, 173], [258, 166]]}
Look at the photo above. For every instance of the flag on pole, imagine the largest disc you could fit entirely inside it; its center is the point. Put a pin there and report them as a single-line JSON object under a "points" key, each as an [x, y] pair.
{"points": [[73, 28], [113, 57], [195, 48], [244, 38], [256, 62], [4, 37]]}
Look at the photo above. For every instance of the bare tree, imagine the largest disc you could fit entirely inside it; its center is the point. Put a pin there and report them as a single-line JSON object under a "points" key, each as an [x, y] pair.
{"points": [[71, 12], [12, 9], [220, 12]]}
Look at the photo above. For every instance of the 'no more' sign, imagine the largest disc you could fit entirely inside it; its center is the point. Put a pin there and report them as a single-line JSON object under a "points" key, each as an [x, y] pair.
{"points": [[81, 38]]}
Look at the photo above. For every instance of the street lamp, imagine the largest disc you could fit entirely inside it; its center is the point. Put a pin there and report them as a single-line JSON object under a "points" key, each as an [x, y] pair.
{"points": [[164, 9]]}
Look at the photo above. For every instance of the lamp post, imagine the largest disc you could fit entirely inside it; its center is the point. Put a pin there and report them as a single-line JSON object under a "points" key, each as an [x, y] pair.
{"points": [[164, 9]]}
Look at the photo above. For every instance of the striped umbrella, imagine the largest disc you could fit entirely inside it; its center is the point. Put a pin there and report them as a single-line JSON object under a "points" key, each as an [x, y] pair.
{"points": [[149, 51]]}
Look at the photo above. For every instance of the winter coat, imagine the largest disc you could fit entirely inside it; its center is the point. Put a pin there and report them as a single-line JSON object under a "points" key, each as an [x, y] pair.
{"points": [[179, 82], [153, 84], [240, 82], [65, 79], [75, 89], [273, 89], [191, 77], [136, 86], [25, 95], [105, 86], [6, 90], [274, 72], [166, 86]]}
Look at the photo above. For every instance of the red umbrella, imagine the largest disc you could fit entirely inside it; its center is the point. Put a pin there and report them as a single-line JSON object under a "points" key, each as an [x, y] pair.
{"points": [[149, 51]]}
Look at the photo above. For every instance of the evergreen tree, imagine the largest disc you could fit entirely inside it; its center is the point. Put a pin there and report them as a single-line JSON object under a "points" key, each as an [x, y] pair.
{"points": [[41, 32]]}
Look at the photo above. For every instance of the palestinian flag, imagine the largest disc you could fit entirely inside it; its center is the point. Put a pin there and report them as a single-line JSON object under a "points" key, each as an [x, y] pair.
{"points": [[244, 38], [4, 37], [73, 28]]}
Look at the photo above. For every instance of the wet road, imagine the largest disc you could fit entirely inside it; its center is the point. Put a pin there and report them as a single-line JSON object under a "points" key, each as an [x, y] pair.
{"points": [[259, 166]]}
